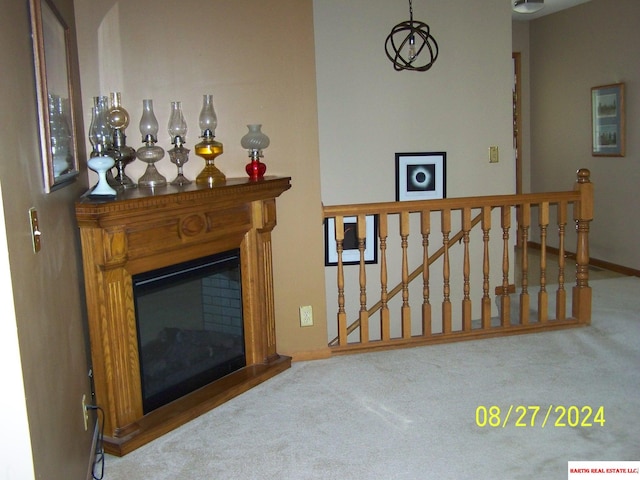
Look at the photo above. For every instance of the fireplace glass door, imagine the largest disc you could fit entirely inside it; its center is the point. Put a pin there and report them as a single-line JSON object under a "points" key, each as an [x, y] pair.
{"points": [[190, 327]]}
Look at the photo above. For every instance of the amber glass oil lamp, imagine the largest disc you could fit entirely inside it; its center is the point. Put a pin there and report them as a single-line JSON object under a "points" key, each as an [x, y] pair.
{"points": [[209, 148]]}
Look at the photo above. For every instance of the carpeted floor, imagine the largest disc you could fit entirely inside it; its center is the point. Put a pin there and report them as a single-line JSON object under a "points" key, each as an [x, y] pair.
{"points": [[418, 413]]}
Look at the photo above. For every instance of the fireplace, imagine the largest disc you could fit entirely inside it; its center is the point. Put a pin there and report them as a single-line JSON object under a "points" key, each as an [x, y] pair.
{"points": [[189, 324], [179, 296]]}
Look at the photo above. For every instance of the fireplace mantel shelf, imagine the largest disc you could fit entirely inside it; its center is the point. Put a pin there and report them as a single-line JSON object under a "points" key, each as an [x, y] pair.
{"points": [[142, 230]]}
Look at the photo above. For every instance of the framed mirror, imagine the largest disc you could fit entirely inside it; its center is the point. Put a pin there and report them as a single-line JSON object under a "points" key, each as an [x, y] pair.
{"points": [[57, 125]]}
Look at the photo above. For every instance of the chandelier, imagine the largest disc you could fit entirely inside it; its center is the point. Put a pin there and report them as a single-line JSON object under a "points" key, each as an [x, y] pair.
{"points": [[407, 41]]}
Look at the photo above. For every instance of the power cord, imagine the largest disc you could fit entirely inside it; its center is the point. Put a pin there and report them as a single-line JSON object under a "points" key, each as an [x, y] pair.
{"points": [[98, 463]]}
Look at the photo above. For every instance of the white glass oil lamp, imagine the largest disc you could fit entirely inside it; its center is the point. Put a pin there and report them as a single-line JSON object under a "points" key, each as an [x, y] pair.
{"points": [[179, 155], [150, 152], [255, 141], [123, 155], [99, 161], [209, 148]]}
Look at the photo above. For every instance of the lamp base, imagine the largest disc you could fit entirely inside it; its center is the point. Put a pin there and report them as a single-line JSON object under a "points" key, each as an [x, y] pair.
{"points": [[255, 169], [210, 176], [209, 149], [101, 164], [152, 178]]}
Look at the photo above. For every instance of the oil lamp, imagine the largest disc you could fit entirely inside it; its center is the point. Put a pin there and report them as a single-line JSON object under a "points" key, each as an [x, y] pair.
{"points": [[150, 152], [209, 148], [100, 138], [118, 119], [255, 141], [179, 155]]}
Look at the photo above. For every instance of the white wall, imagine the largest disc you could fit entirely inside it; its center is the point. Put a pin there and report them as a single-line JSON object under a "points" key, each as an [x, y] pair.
{"points": [[367, 111], [15, 449]]}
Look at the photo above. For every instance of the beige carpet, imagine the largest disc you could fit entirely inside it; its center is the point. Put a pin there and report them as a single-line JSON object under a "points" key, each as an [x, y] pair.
{"points": [[411, 414]]}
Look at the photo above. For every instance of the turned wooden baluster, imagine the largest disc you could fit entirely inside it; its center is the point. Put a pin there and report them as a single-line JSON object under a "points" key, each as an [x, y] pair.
{"points": [[561, 293], [406, 308], [446, 291], [342, 315], [466, 301], [486, 299], [525, 222], [364, 315], [425, 229], [543, 301], [385, 329], [582, 215], [505, 300]]}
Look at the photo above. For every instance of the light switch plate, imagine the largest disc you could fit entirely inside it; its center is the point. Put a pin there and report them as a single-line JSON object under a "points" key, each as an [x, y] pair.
{"points": [[493, 154]]}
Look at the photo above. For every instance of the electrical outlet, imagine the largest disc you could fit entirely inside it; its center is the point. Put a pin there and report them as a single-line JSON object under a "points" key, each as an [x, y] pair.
{"points": [[85, 413], [306, 316]]}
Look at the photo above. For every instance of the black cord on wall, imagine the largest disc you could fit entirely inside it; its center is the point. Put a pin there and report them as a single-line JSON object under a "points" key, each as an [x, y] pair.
{"points": [[98, 462]]}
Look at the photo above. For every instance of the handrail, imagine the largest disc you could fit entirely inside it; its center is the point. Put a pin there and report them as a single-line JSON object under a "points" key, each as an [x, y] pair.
{"points": [[414, 274], [581, 197], [456, 203]]}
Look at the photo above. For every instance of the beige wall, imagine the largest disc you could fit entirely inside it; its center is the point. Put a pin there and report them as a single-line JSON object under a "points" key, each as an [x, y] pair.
{"points": [[520, 39], [597, 43], [47, 287], [257, 59], [368, 112]]}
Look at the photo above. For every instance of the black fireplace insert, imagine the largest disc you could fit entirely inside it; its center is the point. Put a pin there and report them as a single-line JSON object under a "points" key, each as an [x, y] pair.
{"points": [[190, 327]]}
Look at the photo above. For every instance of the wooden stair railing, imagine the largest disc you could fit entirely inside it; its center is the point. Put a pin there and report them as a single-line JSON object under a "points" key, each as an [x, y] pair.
{"points": [[414, 274], [485, 326]]}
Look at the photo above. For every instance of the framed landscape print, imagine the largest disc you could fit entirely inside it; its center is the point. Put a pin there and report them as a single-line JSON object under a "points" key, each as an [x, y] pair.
{"points": [[607, 120], [421, 176]]}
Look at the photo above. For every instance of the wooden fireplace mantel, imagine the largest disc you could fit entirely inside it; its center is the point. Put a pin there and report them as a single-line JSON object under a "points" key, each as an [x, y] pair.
{"points": [[142, 230]]}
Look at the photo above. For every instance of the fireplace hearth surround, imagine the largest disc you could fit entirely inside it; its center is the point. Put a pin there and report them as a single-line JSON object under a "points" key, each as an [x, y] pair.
{"points": [[143, 230]]}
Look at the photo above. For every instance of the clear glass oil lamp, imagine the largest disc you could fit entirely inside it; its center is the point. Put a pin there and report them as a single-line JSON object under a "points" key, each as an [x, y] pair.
{"points": [[255, 141], [209, 148], [150, 152], [179, 155], [118, 119]]}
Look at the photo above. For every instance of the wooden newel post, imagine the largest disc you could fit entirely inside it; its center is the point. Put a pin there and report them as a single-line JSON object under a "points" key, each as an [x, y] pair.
{"points": [[582, 215]]}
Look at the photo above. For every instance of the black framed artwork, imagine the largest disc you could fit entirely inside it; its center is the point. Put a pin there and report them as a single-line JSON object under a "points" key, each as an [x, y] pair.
{"points": [[350, 251], [421, 176]]}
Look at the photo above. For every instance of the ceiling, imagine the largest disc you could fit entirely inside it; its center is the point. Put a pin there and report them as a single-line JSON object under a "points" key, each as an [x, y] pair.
{"points": [[550, 6]]}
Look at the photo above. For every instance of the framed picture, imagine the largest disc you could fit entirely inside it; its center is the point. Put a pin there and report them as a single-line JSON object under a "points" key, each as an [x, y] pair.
{"points": [[57, 124], [350, 252], [607, 120], [421, 176]]}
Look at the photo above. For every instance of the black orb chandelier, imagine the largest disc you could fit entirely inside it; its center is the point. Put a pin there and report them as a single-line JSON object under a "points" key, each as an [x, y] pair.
{"points": [[407, 41]]}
